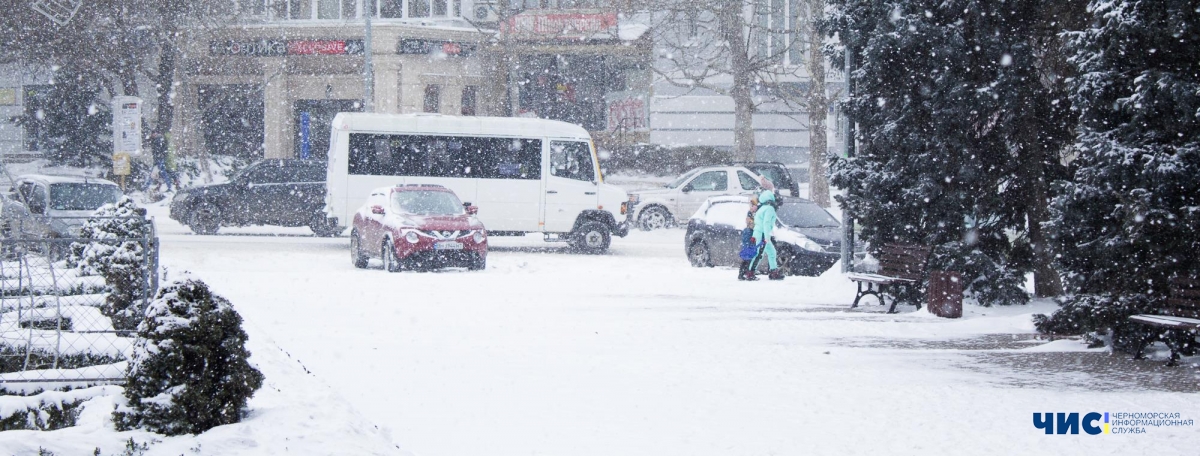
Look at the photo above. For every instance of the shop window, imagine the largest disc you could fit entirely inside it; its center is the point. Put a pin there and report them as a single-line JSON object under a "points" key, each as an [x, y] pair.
{"points": [[439, 7], [349, 9], [433, 98], [468, 100], [418, 8]]}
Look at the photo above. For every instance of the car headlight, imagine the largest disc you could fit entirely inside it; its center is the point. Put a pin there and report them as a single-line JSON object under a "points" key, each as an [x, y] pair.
{"points": [[412, 237], [808, 244], [477, 237]]}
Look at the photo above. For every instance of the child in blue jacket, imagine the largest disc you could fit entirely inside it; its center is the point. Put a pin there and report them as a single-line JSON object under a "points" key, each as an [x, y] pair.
{"points": [[749, 247]]}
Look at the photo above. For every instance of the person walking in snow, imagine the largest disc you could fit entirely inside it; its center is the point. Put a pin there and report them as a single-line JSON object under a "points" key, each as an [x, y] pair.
{"points": [[749, 248], [764, 226]]}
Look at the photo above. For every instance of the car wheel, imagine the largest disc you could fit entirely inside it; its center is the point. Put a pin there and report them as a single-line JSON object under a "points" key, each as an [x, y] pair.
{"points": [[323, 226], [653, 218], [388, 252], [356, 255], [205, 219], [478, 263], [699, 255], [591, 237]]}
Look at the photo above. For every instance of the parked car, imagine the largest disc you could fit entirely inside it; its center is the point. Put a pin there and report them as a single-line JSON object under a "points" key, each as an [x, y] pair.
{"points": [[662, 207], [56, 206], [779, 175], [807, 238], [417, 226], [268, 192]]}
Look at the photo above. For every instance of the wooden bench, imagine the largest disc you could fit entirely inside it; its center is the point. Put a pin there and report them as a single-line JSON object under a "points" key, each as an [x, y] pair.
{"points": [[1179, 314], [899, 265]]}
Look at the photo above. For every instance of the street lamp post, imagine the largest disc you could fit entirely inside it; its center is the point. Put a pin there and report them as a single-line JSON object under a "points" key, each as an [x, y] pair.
{"points": [[847, 152]]}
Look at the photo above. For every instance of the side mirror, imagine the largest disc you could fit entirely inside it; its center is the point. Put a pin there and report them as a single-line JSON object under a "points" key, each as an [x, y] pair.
{"points": [[686, 188], [377, 210], [472, 210]]}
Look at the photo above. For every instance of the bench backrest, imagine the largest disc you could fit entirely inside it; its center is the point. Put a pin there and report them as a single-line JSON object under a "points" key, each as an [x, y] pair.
{"points": [[1184, 300], [905, 261]]}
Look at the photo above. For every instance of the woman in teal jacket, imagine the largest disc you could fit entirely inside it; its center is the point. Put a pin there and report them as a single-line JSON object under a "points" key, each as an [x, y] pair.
{"points": [[764, 225]]}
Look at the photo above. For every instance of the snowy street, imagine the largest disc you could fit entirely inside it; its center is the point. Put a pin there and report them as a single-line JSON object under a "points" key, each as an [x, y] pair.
{"points": [[636, 352]]}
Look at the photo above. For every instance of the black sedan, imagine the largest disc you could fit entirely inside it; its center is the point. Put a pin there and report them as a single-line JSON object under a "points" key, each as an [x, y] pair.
{"points": [[808, 238], [268, 192]]}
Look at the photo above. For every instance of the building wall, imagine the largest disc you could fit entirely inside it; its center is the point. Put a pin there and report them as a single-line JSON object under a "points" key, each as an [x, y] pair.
{"points": [[399, 79]]}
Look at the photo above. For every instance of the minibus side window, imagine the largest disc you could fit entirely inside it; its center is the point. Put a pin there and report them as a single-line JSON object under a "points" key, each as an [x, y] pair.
{"points": [[445, 156]]}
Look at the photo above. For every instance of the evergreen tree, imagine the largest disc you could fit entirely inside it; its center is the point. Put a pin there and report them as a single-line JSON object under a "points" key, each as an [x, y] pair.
{"points": [[72, 124], [121, 263], [190, 369], [961, 118], [1128, 220]]}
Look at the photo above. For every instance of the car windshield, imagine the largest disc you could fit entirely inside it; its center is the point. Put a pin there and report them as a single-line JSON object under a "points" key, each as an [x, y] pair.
{"points": [[427, 202], [681, 179], [806, 215], [82, 197]]}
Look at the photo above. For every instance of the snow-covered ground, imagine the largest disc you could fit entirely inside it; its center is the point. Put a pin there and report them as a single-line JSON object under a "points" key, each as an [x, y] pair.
{"points": [[633, 353]]}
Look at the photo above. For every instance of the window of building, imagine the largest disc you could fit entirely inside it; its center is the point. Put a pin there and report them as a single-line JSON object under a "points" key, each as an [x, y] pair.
{"points": [[468, 100], [433, 94], [299, 9], [391, 9], [329, 9], [778, 31], [445, 156], [418, 8], [439, 7]]}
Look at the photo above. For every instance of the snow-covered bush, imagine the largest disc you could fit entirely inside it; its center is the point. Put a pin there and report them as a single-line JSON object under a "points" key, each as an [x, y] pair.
{"points": [[121, 263], [1127, 221], [189, 370]]}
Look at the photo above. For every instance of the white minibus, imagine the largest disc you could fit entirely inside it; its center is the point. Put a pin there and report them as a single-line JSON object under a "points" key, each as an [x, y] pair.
{"points": [[525, 175]]}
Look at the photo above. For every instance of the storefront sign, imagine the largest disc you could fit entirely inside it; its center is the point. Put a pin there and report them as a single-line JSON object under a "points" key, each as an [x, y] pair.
{"points": [[627, 114], [556, 26], [434, 47], [279, 48], [127, 125]]}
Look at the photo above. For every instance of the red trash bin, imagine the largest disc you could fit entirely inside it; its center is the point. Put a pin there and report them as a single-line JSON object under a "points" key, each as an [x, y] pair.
{"points": [[945, 294]]}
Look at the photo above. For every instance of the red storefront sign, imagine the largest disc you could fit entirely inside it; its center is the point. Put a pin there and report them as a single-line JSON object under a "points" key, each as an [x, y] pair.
{"points": [[538, 25], [316, 47]]}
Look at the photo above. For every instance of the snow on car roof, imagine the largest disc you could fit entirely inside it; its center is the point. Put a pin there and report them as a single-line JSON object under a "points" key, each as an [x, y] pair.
{"points": [[54, 179], [456, 125]]}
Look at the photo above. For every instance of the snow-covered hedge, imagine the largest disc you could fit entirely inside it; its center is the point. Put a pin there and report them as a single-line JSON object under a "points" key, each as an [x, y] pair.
{"points": [[122, 264], [189, 370]]}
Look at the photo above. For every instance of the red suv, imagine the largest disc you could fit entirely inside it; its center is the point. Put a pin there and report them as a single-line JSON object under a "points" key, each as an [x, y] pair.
{"points": [[417, 227]]}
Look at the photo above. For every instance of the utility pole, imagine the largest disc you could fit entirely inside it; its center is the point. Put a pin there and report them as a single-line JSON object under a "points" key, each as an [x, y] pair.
{"points": [[368, 67], [847, 152]]}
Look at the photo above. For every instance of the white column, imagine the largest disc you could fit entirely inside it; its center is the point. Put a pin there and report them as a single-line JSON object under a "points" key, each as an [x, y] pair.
{"points": [[277, 109]]}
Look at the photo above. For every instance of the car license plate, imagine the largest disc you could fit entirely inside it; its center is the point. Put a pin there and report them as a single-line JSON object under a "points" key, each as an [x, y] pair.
{"points": [[448, 245]]}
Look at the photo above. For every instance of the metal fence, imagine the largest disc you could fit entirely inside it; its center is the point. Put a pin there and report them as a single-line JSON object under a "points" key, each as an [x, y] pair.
{"points": [[61, 322]]}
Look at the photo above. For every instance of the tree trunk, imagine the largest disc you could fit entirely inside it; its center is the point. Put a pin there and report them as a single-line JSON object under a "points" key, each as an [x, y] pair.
{"points": [[818, 108], [733, 26], [164, 83], [1046, 281]]}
